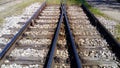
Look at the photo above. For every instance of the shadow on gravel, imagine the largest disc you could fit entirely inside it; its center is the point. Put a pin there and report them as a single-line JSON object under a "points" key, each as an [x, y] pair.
{"points": [[70, 51]]}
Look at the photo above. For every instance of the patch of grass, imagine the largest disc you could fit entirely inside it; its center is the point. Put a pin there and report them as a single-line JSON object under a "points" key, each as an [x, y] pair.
{"points": [[118, 32], [96, 11], [1, 20], [53, 1], [16, 9], [73, 2], [92, 9], [79, 2]]}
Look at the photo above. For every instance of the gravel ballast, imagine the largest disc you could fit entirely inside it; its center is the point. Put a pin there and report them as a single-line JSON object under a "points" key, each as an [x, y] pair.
{"points": [[12, 22]]}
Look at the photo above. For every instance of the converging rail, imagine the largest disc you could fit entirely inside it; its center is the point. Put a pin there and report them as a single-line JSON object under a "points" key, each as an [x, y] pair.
{"points": [[76, 60], [61, 36], [54, 41]]}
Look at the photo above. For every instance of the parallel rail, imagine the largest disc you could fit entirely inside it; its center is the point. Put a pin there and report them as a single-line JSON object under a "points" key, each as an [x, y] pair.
{"points": [[77, 63], [75, 59], [70, 38]]}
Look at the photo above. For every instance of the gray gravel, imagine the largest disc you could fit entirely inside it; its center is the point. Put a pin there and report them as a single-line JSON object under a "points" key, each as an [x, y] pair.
{"points": [[32, 52], [28, 53], [12, 22], [20, 66], [94, 49], [35, 41], [110, 25]]}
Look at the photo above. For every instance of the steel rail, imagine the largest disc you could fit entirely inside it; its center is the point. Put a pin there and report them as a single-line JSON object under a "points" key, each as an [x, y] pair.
{"points": [[104, 32], [71, 41], [21, 31], [53, 44]]}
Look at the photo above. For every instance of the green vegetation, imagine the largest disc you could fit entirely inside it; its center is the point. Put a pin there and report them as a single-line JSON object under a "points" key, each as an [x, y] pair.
{"points": [[73, 2], [79, 2], [118, 32], [53, 1], [96, 12], [16, 9], [1, 20]]}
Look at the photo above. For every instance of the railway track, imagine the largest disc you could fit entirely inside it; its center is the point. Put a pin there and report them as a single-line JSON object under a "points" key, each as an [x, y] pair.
{"points": [[60, 36], [32, 48], [92, 48]]}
